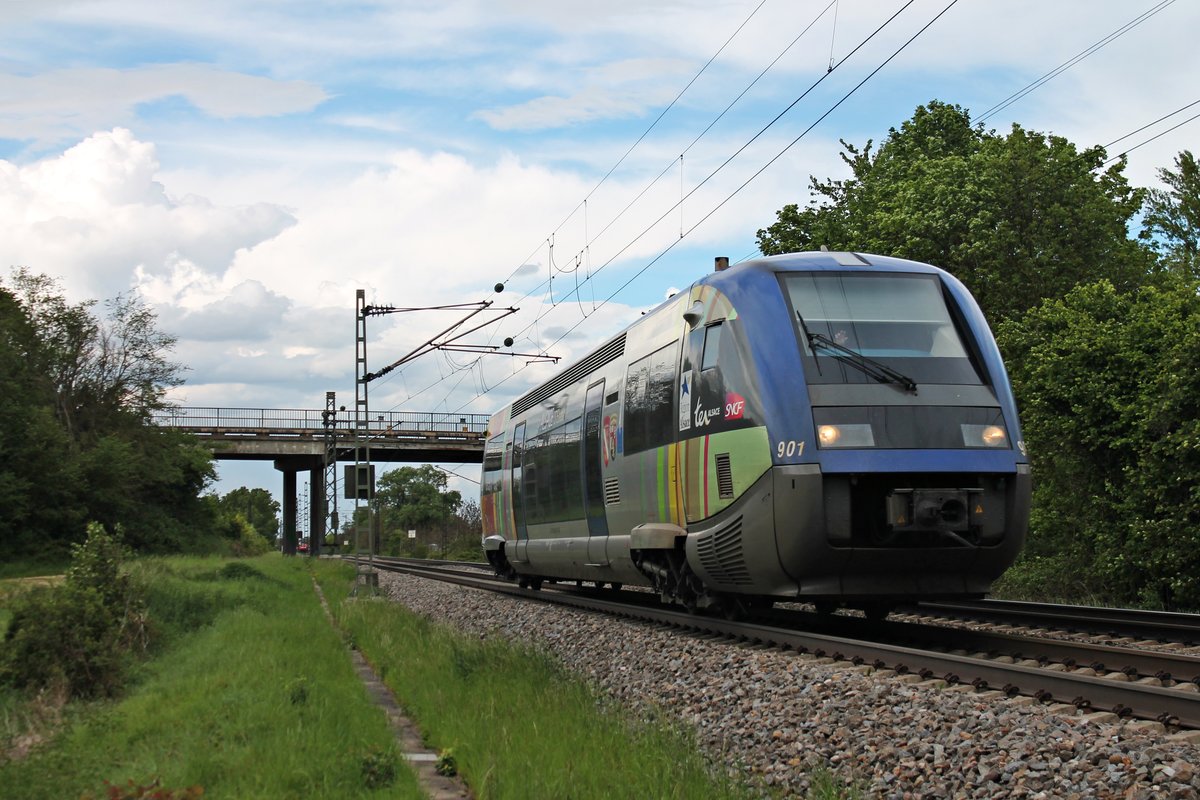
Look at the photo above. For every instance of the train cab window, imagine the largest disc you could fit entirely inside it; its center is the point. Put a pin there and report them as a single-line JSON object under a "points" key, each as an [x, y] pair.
{"points": [[712, 345], [901, 320], [650, 400]]}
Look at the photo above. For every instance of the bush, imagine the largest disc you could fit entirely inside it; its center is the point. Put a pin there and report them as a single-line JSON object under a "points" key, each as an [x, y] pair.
{"points": [[1108, 384], [245, 540], [82, 635]]}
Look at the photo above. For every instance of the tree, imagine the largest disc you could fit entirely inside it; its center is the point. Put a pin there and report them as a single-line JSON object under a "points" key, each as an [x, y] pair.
{"points": [[1109, 387], [256, 506], [1017, 218], [1172, 217], [415, 498], [38, 475], [81, 388], [103, 371]]}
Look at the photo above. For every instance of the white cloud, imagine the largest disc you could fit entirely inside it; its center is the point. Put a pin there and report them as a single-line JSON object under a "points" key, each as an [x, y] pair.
{"points": [[51, 105], [624, 88], [97, 217]]}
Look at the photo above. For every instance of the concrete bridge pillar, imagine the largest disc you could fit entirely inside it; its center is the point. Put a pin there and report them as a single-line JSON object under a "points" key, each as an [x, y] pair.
{"points": [[289, 467], [289, 510], [317, 517]]}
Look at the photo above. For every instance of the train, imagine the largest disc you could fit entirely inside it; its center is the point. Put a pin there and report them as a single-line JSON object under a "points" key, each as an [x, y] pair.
{"points": [[836, 428]]}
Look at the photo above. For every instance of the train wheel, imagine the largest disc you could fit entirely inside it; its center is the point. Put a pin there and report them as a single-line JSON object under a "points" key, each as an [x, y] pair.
{"points": [[535, 584], [616, 587], [877, 612], [825, 607], [599, 585], [688, 601], [523, 583], [730, 608]]}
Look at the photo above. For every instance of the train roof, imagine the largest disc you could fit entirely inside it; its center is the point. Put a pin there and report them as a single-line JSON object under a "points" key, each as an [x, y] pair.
{"points": [[826, 260]]}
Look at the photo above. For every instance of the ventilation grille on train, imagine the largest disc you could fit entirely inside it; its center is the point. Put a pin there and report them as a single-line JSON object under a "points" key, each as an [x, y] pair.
{"points": [[610, 352], [724, 477], [721, 555], [612, 491]]}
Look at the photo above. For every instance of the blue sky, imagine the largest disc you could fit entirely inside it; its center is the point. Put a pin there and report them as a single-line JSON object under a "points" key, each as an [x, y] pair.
{"points": [[247, 166]]}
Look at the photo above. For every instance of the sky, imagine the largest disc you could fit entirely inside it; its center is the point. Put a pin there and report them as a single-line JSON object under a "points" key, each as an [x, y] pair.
{"points": [[246, 167]]}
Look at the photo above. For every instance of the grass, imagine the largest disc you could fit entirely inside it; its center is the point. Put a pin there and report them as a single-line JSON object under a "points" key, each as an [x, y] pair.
{"points": [[253, 696], [518, 725], [250, 694], [32, 568]]}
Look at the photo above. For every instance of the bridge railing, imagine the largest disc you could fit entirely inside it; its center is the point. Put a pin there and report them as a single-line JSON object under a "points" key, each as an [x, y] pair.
{"points": [[395, 423]]}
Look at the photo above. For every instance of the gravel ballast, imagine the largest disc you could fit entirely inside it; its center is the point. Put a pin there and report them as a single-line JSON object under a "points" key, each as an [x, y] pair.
{"points": [[778, 714]]}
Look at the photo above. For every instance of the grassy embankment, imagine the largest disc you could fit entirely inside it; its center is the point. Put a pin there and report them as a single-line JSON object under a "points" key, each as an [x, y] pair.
{"points": [[249, 695], [252, 695], [518, 725]]}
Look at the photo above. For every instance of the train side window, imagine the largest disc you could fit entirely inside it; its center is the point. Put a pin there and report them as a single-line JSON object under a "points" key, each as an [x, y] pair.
{"points": [[493, 455], [712, 346], [650, 387]]}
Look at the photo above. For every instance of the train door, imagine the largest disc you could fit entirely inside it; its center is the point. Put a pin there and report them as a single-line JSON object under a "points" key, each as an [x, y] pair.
{"points": [[593, 478], [518, 494]]}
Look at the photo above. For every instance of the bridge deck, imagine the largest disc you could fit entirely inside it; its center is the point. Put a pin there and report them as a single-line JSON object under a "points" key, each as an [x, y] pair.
{"points": [[279, 433]]}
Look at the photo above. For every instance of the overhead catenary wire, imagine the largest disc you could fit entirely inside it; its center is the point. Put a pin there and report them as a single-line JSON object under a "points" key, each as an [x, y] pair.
{"points": [[646, 132], [585, 253], [541, 315], [758, 135], [670, 166], [1075, 59], [1129, 150], [778, 155], [1155, 122]]}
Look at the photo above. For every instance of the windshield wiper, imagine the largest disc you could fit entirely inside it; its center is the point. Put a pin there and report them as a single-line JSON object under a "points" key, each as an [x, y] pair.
{"points": [[869, 366]]}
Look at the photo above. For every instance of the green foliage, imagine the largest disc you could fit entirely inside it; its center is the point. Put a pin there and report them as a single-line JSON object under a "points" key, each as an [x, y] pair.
{"points": [[379, 768], [83, 384], [1017, 217], [1172, 217], [416, 498], [244, 539], [446, 764], [1109, 387], [83, 634], [256, 506]]}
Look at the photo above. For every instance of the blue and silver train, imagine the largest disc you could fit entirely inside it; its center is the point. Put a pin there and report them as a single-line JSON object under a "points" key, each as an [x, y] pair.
{"points": [[831, 427]]}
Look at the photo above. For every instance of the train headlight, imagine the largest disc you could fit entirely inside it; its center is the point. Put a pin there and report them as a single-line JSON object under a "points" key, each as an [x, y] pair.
{"points": [[984, 436], [845, 436]]}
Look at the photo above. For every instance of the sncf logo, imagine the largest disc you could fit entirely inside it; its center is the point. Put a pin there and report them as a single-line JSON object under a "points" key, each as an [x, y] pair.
{"points": [[735, 405]]}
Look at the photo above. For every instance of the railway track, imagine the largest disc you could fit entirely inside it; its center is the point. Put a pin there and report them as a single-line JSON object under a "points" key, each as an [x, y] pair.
{"points": [[1125, 681], [1130, 623]]}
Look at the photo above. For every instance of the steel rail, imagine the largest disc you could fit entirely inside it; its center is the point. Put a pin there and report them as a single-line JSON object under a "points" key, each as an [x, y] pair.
{"points": [[1169, 706], [1131, 662], [1122, 621]]}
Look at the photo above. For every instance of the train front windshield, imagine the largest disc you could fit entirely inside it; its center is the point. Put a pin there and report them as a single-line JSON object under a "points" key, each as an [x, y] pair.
{"points": [[898, 322]]}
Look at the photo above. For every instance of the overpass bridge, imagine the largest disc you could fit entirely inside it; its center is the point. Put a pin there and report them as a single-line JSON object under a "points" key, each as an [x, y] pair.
{"points": [[294, 440], [271, 434]]}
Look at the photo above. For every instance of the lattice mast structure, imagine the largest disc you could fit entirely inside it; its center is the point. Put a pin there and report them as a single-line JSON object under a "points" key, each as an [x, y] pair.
{"points": [[365, 578]]}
